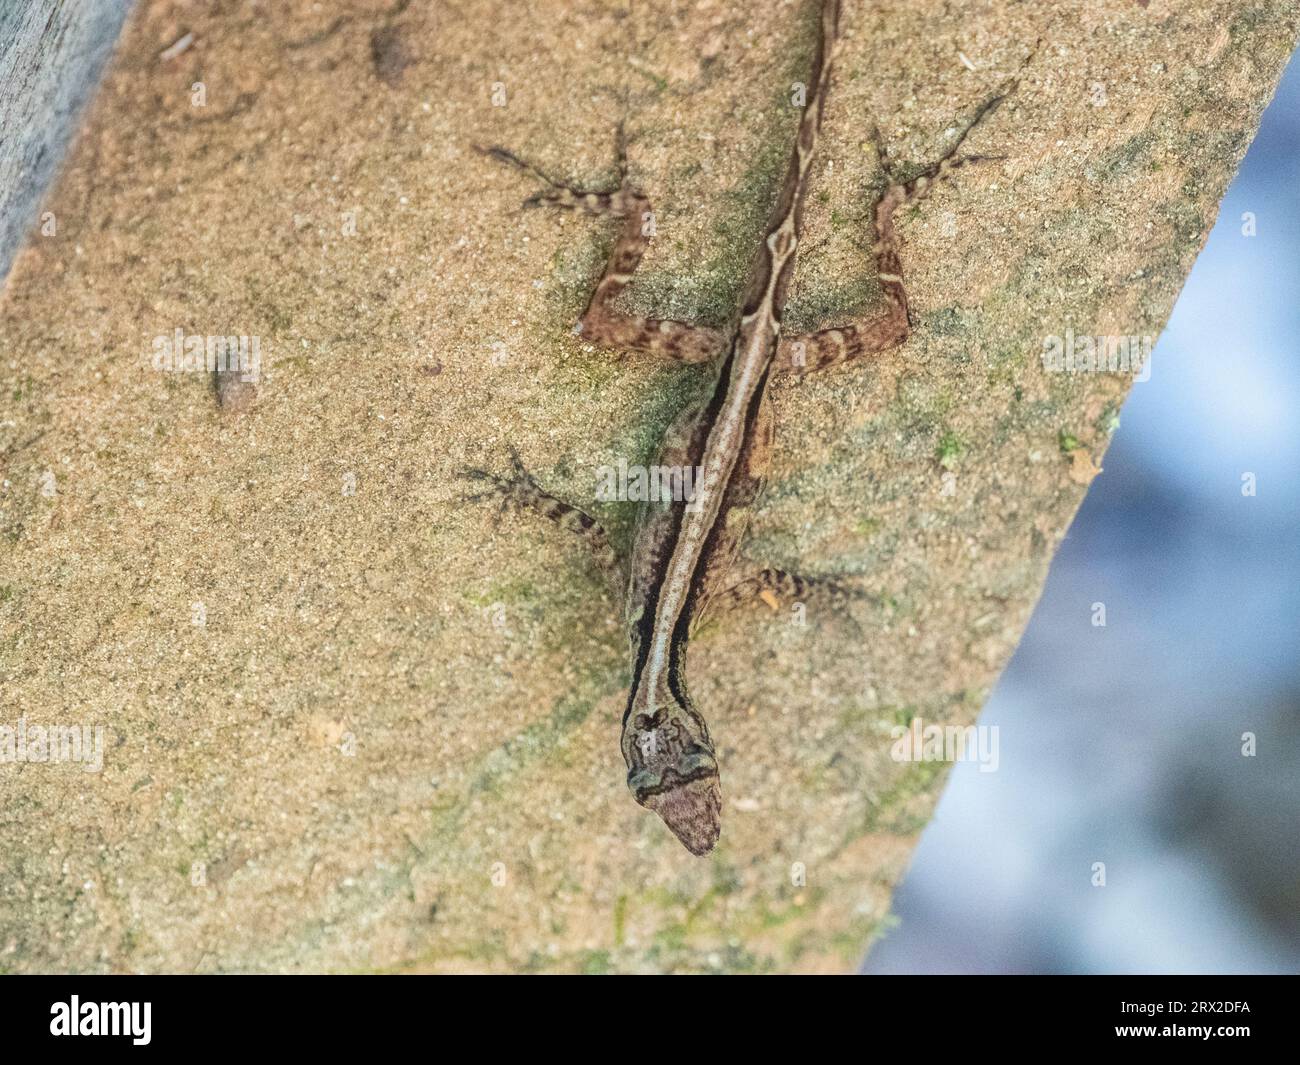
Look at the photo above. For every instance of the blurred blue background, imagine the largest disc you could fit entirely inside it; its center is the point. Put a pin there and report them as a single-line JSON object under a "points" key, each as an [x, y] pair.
{"points": [[1123, 744]]}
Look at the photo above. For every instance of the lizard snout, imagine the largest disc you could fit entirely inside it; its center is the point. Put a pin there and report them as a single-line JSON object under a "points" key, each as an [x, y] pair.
{"points": [[691, 807]]}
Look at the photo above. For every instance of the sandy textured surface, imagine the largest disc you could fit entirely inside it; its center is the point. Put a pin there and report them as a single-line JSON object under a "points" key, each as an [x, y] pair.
{"points": [[353, 723]]}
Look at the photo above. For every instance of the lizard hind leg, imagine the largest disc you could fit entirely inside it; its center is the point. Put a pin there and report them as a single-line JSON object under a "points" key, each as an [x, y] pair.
{"points": [[517, 489], [602, 323], [923, 179], [616, 202], [809, 352]]}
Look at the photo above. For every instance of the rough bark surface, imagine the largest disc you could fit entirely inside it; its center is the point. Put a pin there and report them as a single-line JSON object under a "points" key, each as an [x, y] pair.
{"points": [[51, 57], [354, 723]]}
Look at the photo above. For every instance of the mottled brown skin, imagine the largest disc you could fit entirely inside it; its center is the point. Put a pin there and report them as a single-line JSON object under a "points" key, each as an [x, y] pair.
{"points": [[684, 553]]}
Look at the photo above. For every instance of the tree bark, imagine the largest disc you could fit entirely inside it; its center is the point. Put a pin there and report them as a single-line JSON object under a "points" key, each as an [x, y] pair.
{"points": [[354, 722]]}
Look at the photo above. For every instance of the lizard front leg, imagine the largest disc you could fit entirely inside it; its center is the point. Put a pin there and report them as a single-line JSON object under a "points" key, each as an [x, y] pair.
{"points": [[602, 323], [777, 588], [808, 352], [518, 489], [773, 586]]}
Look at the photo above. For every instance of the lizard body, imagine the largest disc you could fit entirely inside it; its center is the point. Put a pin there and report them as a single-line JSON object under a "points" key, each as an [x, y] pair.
{"points": [[683, 550], [672, 768]]}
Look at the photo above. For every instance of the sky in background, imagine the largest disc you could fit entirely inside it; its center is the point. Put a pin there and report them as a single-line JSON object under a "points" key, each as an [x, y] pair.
{"points": [[1123, 744]]}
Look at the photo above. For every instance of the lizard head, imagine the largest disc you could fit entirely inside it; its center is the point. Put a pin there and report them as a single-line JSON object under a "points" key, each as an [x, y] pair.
{"points": [[672, 770]]}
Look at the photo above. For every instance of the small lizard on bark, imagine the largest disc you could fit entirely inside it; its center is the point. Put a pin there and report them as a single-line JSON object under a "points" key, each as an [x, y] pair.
{"points": [[683, 551]]}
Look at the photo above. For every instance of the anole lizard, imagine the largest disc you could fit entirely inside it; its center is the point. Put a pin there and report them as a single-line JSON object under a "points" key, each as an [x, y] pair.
{"points": [[683, 551]]}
